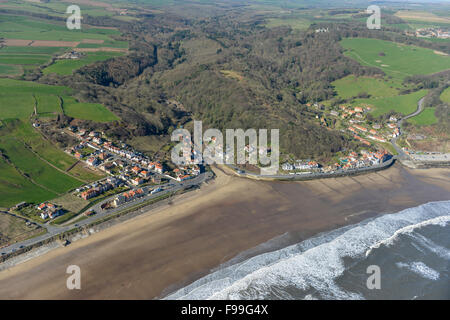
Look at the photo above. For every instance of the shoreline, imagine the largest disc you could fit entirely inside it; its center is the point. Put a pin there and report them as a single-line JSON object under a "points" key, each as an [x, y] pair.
{"points": [[150, 255]]}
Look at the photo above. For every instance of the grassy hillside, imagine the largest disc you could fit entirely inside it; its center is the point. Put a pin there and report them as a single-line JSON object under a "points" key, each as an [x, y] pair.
{"points": [[19, 98], [66, 67], [425, 118], [14, 188], [20, 27], [396, 60], [352, 86], [405, 104]]}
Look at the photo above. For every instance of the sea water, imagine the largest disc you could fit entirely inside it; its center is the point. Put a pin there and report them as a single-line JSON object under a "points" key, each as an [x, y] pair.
{"points": [[411, 249]]}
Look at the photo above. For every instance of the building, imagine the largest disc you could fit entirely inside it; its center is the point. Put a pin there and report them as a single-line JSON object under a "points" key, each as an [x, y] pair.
{"points": [[159, 168], [137, 181], [103, 156], [144, 174], [360, 128], [392, 125], [89, 194], [20, 205], [120, 199], [136, 170], [53, 213], [92, 161], [183, 177]]}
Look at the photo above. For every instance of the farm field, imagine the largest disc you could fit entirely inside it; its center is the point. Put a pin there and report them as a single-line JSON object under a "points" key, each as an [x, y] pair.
{"points": [[396, 60], [40, 172], [405, 104], [87, 111], [32, 174], [421, 16], [67, 66], [425, 118], [13, 58], [31, 42], [21, 96], [21, 27], [15, 188], [351, 86], [9, 70]]}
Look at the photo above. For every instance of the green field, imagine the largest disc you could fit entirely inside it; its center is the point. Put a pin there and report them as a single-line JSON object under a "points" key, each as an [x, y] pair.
{"points": [[14, 188], [18, 99], [29, 57], [20, 27], [399, 60], [445, 95], [10, 70], [35, 168], [425, 118], [351, 86], [38, 159], [404, 104], [13, 59], [88, 111], [67, 66]]}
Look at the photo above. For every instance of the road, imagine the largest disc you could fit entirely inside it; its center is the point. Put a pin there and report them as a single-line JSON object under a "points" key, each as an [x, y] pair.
{"points": [[56, 230], [401, 153]]}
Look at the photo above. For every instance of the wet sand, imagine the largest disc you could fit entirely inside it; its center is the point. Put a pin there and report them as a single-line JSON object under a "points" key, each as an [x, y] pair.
{"points": [[174, 245]]}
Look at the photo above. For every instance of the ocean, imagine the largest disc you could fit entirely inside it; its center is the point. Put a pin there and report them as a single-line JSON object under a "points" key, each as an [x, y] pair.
{"points": [[403, 255]]}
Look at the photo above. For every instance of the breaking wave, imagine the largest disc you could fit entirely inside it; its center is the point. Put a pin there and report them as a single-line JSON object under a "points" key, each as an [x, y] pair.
{"points": [[310, 269]]}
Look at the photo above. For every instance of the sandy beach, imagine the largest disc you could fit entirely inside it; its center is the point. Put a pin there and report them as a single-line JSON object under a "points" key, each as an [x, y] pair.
{"points": [[146, 257]]}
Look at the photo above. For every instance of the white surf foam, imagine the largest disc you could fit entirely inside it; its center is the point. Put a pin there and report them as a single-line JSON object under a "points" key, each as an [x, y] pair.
{"points": [[421, 269], [441, 221], [314, 264]]}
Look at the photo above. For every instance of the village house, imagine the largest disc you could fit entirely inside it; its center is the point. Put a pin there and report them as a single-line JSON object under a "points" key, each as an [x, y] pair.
{"points": [[159, 168], [360, 128], [98, 140], [103, 156], [183, 177], [136, 170], [392, 125], [89, 194], [92, 161], [144, 174], [137, 181]]}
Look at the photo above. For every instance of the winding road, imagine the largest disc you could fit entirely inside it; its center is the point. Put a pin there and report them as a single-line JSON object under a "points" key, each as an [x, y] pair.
{"points": [[401, 153]]}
